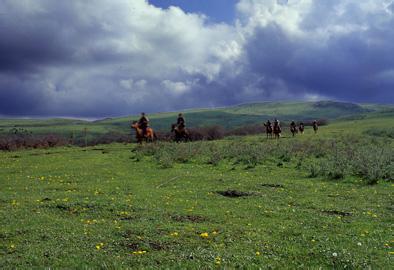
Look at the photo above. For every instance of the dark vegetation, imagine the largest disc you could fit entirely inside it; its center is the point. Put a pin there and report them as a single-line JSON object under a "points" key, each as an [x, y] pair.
{"points": [[333, 159], [21, 138], [381, 132]]}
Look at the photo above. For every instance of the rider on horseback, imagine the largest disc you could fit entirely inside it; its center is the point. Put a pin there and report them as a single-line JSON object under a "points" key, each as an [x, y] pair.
{"points": [[143, 123], [293, 127], [277, 128], [180, 122], [301, 128], [268, 128], [315, 126]]}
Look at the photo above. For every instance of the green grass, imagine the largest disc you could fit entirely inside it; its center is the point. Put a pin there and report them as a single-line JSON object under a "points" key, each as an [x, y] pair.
{"points": [[97, 207]]}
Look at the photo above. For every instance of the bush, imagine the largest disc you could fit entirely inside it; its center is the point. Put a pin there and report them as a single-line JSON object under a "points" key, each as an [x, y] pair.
{"points": [[206, 133], [15, 141], [111, 137], [246, 130], [381, 132], [374, 163], [314, 169]]}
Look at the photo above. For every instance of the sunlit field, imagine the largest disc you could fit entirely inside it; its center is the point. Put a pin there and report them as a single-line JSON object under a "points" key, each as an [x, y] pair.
{"points": [[312, 201]]}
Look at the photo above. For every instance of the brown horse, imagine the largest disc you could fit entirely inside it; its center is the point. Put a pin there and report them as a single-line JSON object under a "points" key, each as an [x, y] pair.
{"points": [[150, 135], [315, 126], [301, 128], [268, 130], [277, 131], [180, 134], [293, 131]]}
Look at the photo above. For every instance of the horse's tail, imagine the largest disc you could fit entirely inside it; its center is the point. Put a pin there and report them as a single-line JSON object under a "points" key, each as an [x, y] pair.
{"points": [[154, 135]]}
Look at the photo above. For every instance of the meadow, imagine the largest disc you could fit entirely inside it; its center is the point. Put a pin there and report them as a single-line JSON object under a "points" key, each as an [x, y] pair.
{"points": [[312, 201]]}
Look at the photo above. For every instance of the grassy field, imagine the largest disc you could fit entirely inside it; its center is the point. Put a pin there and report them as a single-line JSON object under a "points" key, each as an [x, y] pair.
{"points": [[246, 202]]}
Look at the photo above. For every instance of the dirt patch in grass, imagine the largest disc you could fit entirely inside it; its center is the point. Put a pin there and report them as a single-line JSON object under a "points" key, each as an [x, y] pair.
{"points": [[126, 217], [273, 185], [337, 213], [234, 193], [69, 208], [147, 245], [134, 242], [45, 153], [188, 218]]}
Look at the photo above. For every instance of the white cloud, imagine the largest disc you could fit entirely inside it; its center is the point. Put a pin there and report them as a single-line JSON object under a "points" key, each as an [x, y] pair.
{"points": [[176, 88]]}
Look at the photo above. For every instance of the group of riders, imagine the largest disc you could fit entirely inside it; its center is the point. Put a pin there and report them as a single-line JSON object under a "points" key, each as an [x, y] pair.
{"points": [[272, 129], [276, 130], [144, 132]]}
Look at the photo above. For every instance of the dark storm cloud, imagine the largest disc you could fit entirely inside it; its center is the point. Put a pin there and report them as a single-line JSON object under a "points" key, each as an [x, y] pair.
{"points": [[345, 67], [79, 58], [329, 55]]}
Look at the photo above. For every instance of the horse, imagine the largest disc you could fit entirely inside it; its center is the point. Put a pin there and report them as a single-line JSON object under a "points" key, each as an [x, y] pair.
{"points": [[293, 130], [150, 135], [315, 126], [268, 130], [180, 134], [301, 128], [277, 131]]}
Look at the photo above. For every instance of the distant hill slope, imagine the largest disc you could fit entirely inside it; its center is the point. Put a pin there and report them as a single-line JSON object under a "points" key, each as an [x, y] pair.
{"points": [[301, 110], [228, 117]]}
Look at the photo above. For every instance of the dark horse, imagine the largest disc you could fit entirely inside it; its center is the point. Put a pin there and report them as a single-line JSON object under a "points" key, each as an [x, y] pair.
{"points": [[277, 130], [180, 133], [293, 128], [268, 130], [150, 135], [301, 128]]}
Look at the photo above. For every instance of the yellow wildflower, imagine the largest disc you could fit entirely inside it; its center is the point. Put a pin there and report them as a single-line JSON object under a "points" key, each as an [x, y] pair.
{"points": [[139, 252], [257, 253], [204, 235], [174, 234], [99, 246], [218, 260]]}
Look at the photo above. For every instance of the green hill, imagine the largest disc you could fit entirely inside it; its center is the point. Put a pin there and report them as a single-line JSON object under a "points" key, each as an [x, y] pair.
{"points": [[228, 117]]}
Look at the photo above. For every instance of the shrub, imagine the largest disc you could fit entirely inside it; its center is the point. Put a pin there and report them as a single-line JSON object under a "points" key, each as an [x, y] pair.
{"points": [[17, 140], [165, 159], [111, 137], [314, 169], [207, 133], [374, 163]]}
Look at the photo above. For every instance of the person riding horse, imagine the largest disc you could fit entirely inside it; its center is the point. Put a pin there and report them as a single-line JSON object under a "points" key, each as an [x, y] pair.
{"points": [[315, 126], [143, 123], [277, 128], [268, 128], [293, 128], [180, 129], [181, 122], [301, 128]]}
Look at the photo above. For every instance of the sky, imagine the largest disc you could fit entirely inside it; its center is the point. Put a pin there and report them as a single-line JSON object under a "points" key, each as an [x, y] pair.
{"points": [[98, 58]]}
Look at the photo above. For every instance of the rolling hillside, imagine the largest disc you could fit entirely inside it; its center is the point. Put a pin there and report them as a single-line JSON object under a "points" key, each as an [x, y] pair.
{"points": [[228, 117]]}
